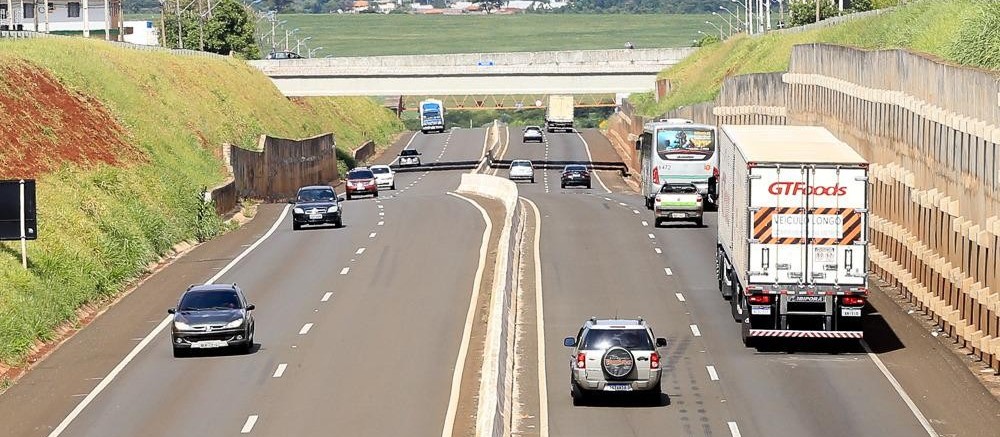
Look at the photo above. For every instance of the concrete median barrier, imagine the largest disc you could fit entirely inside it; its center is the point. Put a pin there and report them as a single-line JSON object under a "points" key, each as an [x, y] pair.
{"points": [[496, 384]]}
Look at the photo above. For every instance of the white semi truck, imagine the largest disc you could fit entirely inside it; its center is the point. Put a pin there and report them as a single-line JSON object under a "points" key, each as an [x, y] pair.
{"points": [[793, 232], [559, 114]]}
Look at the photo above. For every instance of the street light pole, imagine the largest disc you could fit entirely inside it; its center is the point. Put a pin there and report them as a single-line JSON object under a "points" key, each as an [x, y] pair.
{"points": [[728, 21], [740, 26], [718, 28]]}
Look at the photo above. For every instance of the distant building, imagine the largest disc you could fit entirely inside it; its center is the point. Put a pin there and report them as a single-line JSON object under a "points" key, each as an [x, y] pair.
{"points": [[91, 18]]}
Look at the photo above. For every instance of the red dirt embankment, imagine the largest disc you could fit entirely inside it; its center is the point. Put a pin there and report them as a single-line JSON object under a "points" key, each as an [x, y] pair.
{"points": [[43, 125]]}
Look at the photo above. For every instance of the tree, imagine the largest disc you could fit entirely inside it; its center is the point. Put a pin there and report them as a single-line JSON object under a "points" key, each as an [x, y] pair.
{"points": [[229, 29], [490, 5], [805, 12]]}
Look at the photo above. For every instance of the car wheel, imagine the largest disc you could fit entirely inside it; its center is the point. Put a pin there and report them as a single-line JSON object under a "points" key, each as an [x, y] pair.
{"points": [[588, 185], [656, 393], [178, 352], [393, 187], [375, 195], [579, 396], [532, 179], [340, 223], [700, 222], [348, 196], [296, 226], [563, 186]]}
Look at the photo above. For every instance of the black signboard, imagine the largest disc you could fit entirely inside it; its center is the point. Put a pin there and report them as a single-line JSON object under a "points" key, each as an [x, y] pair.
{"points": [[10, 210]]}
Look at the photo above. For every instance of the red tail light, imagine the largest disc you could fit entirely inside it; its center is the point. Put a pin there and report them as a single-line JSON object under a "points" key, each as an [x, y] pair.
{"points": [[581, 361], [654, 361], [698, 199], [760, 299], [853, 301], [715, 172], [656, 175]]}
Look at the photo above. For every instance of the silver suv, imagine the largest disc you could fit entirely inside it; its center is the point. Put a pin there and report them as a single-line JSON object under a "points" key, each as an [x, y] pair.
{"points": [[614, 355]]}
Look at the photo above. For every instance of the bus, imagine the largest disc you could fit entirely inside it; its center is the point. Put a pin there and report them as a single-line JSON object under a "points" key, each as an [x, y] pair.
{"points": [[431, 116], [678, 150]]}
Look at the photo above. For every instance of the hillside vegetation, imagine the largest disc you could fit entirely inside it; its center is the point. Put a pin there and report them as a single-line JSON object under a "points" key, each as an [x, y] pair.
{"points": [[123, 143], [961, 31]]}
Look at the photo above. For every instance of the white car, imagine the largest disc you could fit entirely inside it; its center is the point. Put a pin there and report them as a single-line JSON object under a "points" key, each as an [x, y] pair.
{"points": [[521, 169], [532, 133], [384, 176]]}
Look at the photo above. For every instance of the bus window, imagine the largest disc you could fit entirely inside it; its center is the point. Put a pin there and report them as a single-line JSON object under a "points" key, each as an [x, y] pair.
{"points": [[685, 144]]}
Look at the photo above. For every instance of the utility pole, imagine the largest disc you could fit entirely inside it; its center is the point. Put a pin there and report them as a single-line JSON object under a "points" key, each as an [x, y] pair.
{"points": [[10, 14], [45, 5], [107, 21], [751, 29], [767, 10]]}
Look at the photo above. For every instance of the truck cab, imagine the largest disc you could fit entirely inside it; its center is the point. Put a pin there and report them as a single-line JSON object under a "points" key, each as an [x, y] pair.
{"points": [[432, 116]]}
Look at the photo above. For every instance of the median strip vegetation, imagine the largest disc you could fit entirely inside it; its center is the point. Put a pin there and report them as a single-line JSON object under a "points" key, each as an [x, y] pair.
{"points": [[961, 31], [123, 143]]}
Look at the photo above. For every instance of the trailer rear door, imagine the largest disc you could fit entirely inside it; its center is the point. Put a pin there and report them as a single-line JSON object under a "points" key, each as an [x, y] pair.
{"points": [[778, 229], [837, 226]]}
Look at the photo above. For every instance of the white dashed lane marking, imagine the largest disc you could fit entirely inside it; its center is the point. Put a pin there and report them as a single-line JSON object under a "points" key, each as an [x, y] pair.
{"points": [[695, 331], [344, 270], [248, 425], [326, 296], [668, 271], [280, 370], [651, 236], [381, 223], [305, 329], [360, 251], [645, 223], [712, 374], [657, 249], [680, 297], [734, 430], [371, 235]]}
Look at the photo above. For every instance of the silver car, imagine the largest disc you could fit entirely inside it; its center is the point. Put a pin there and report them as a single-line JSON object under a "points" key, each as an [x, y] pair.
{"points": [[532, 133], [521, 169], [614, 355]]}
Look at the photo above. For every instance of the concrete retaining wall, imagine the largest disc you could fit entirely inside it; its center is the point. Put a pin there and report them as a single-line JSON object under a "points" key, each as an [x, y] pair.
{"points": [[284, 165]]}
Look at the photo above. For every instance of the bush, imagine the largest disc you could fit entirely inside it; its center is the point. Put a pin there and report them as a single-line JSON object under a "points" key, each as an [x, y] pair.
{"points": [[978, 41], [805, 13]]}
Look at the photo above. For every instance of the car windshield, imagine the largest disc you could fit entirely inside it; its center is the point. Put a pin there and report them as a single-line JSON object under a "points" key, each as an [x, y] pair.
{"points": [[408, 152], [317, 195], [360, 174], [575, 168], [520, 164], [533, 130], [380, 170], [600, 339], [431, 113], [210, 300], [678, 189], [685, 143]]}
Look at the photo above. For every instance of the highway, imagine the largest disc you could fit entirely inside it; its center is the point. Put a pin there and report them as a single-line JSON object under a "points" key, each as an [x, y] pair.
{"points": [[601, 256], [359, 328]]}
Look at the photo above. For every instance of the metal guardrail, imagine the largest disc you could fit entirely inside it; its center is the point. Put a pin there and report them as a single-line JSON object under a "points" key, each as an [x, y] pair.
{"points": [[438, 166]]}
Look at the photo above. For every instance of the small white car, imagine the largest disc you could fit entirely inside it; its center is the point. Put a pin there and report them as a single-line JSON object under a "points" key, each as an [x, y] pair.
{"points": [[521, 169], [384, 176], [679, 201]]}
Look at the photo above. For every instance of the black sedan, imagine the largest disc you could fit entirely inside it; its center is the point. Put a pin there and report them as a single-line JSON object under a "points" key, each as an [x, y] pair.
{"points": [[316, 205], [575, 174], [212, 316]]}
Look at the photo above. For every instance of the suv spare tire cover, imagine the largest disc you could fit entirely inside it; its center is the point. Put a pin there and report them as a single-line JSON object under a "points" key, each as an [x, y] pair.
{"points": [[617, 362]]}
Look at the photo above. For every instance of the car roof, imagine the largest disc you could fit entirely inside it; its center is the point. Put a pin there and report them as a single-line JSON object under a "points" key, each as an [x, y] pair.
{"points": [[213, 287], [313, 187], [616, 324], [379, 166], [521, 160]]}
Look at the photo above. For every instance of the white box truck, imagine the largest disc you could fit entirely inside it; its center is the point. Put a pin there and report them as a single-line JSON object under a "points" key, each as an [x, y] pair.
{"points": [[793, 232], [559, 114]]}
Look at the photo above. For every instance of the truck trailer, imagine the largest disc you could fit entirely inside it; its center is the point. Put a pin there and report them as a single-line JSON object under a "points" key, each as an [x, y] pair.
{"points": [[559, 114], [792, 253], [432, 116]]}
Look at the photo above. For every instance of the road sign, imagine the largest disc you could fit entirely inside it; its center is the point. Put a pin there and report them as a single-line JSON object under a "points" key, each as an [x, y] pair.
{"points": [[17, 196]]}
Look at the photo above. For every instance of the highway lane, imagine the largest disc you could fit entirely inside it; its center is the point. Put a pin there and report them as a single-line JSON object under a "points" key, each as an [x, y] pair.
{"points": [[600, 255], [355, 368]]}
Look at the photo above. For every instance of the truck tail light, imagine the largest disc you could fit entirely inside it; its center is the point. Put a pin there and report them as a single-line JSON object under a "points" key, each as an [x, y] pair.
{"points": [[760, 299], [654, 361], [581, 360], [853, 301], [656, 175]]}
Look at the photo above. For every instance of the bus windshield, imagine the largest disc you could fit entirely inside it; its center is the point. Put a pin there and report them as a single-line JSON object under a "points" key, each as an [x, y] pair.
{"points": [[685, 144]]}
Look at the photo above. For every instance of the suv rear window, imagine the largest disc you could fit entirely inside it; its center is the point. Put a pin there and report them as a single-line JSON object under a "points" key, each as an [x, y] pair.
{"points": [[637, 339]]}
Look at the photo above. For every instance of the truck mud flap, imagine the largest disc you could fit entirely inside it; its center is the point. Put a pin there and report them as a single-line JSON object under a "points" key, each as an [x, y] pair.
{"points": [[777, 333]]}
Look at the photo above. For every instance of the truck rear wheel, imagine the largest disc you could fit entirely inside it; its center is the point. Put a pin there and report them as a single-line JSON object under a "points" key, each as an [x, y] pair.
{"points": [[748, 341], [738, 305]]}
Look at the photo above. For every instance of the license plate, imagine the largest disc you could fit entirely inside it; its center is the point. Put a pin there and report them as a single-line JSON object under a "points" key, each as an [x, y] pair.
{"points": [[760, 310], [618, 387], [315, 216], [825, 254], [812, 299], [209, 344], [678, 215], [850, 312]]}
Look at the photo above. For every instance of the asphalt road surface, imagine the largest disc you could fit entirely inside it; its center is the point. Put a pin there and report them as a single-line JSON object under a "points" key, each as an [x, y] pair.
{"points": [[359, 329]]}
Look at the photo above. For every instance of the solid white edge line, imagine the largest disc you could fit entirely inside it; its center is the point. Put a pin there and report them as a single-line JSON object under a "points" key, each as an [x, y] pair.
{"points": [[543, 393], [680, 297], [591, 159], [305, 329], [463, 349], [695, 331], [345, 270], [280, 370], [899, 390], [734, 430], [156, 331], [248, 425], [712, 373], [326, 296], [407, 146]]}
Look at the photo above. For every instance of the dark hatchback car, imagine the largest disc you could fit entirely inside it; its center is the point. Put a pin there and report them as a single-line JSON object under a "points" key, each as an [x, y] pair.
{"points": [[316, 205], [360, 182], [211, 317], [575, 174]]}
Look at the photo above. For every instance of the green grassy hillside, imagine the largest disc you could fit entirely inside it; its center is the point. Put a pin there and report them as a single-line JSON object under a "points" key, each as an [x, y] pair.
{"points": [[107, 211], [963, 31]]}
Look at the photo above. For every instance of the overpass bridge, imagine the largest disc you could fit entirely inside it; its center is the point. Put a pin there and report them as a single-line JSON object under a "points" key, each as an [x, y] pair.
{"points": [[581, 72]]}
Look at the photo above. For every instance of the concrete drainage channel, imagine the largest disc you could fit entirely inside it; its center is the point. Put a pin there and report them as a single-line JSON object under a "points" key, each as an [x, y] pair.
{"points": [[493, 412]]}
